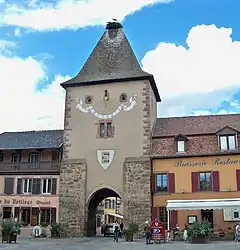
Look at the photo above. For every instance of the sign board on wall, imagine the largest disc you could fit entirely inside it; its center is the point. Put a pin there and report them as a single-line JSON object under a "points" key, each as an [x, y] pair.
{"points": [[201, 163], [231, 214], [24, 202]]}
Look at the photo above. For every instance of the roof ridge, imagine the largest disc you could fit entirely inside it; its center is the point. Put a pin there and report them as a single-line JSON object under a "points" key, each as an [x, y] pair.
{"points": [[196, 116], [31, 131]]}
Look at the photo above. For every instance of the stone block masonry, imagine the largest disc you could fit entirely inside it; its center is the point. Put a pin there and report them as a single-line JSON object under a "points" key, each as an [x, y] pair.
{"points": [[137, 191], [73, 197]]}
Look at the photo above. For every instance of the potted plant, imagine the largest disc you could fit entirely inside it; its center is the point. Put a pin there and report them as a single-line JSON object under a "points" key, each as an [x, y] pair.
{"points": [[56, 230], [130, 231], [200, 232], [10, 230]]}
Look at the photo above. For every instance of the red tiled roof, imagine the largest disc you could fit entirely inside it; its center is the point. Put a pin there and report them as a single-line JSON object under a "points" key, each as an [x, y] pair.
{"points": [[195, 125]]}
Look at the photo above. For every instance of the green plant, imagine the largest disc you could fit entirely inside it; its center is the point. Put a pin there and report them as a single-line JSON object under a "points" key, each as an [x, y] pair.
{"points": [[56, 228], [10, 227], [44, 224], [132, 228], [202, 228]]}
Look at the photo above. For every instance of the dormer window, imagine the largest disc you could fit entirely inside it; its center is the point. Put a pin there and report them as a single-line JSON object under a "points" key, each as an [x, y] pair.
{"points": [[227, 142], [180, 146], [227, 138], [181, 143]]}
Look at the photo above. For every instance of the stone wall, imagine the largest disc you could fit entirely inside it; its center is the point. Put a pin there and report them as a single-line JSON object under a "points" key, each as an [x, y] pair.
{"points": [[137, 191], [73, 197]]}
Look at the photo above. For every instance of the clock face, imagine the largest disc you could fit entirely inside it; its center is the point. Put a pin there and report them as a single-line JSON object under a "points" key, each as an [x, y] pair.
{"points": [[122, 105]]}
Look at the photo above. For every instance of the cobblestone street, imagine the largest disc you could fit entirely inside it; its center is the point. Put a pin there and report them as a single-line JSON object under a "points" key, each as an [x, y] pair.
{"points": [[100, 243]]}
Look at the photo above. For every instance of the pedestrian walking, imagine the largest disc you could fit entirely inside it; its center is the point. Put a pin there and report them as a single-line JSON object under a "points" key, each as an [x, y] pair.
{"points": [[116, 229]]}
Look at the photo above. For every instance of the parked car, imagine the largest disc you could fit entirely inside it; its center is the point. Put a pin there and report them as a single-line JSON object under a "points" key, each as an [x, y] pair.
{"points": [[108, 230]]}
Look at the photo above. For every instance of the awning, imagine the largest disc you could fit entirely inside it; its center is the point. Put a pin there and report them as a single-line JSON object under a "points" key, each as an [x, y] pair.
{"points": [[203, 204], [116, 215]]}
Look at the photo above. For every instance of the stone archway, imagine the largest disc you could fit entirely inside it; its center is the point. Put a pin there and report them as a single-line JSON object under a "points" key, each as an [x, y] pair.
{"points": [[92, 205]]}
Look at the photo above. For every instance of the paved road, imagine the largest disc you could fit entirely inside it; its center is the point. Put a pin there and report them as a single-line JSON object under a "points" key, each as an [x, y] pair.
{"points": [[100, 243]]}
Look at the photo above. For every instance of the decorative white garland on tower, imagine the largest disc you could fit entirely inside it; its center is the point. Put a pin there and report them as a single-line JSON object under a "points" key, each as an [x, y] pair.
{"points": [[121, 107]]}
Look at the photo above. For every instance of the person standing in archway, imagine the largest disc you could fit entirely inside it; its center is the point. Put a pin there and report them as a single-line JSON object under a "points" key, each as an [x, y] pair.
{"points": [[116, 231]]}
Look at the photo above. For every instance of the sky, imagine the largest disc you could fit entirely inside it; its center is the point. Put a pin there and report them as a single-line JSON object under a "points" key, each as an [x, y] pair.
{"points": [[192, 47]]}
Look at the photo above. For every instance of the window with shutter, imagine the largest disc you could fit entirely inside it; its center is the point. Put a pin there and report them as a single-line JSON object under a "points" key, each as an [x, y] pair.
{"points": [[162, 182], [8, 185], [205, 181]]}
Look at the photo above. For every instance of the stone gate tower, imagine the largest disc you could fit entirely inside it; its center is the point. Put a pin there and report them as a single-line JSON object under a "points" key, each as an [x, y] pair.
{"points": [[110, 109]]}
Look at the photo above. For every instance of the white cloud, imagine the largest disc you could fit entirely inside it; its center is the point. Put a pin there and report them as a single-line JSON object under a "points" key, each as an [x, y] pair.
{"points": [[6, 46], [71, 14], [22, 108], [17, 32], [199, 77], [191, 81]]}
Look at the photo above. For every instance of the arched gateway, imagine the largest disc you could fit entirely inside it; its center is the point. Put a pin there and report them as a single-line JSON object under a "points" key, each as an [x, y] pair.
{"points": [[110, 109], [92, 205]]}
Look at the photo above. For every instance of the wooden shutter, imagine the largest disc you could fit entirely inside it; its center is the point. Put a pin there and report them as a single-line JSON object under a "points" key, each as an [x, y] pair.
{"points": [[154, 213], [36, 186], [8, 185], [173, 218], [238, 179], [154, 180], [171, 183], [19, 186], [54, 186], [215, 181], [195, 181]]}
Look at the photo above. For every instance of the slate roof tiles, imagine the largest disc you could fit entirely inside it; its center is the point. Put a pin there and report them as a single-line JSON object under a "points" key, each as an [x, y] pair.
{"points": [[31, 140]]}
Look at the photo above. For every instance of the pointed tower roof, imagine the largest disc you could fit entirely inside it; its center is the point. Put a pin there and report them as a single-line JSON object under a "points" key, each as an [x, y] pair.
{"points": [[112, 60]]}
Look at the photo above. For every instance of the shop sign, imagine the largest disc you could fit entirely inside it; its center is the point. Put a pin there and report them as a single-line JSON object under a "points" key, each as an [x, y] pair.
{"points": [[215, 162], [20, 202]]}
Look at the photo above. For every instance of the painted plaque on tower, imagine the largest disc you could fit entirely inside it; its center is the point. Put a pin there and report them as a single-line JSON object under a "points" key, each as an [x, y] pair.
{"points": [[105, 158]]}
